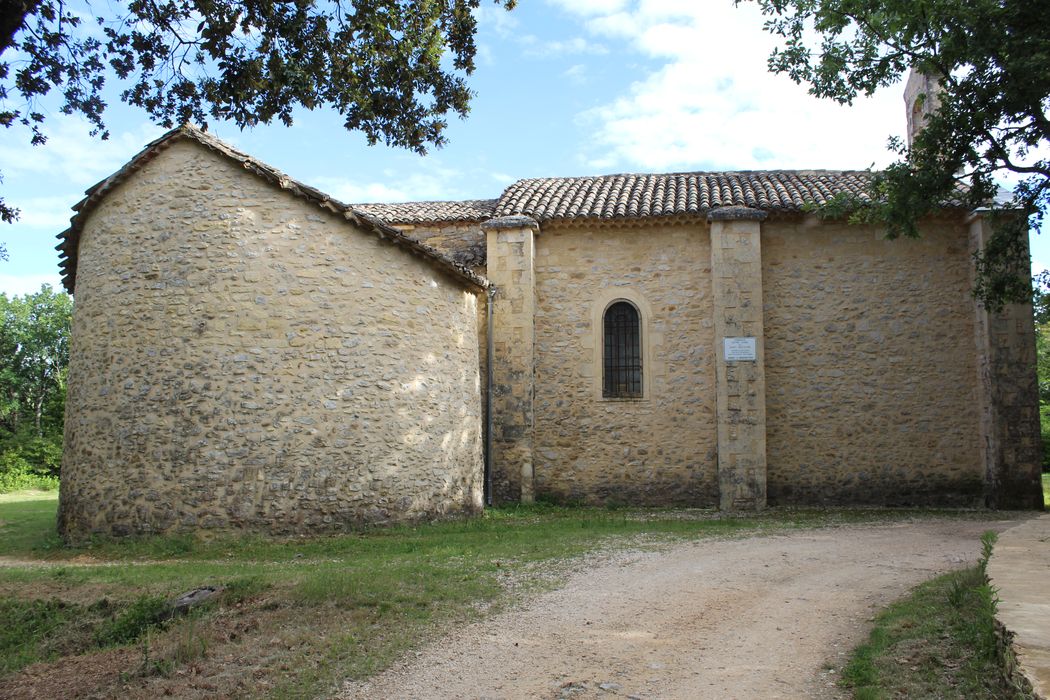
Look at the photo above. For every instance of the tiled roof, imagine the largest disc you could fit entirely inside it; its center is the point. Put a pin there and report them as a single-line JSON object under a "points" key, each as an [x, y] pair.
{"points": [[675, 194], [431, 212], [70, 238]]}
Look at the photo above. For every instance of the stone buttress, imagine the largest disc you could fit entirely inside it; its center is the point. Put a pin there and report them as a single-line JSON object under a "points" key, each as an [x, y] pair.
{"points": [[1008, 396], [511, 270], [736, 278]]}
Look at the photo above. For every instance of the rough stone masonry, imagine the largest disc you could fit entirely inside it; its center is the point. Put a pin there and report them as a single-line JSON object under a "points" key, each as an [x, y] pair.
{"points": [[248, 353]]}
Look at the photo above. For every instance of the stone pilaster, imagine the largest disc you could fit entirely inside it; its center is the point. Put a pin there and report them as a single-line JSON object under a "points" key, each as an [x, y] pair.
{"points": [[1008, 397], [736, 278], [511, 251]]}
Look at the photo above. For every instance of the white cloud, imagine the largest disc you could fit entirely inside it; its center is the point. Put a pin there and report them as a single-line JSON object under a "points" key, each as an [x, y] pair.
{"points": [[351, 192], [20, 285], [590, 7], [52, 212], [576, 74], [434, 183], [70, 155], [711, 101], [499, 20], [486, 56], [534, 48], [503, 178]]}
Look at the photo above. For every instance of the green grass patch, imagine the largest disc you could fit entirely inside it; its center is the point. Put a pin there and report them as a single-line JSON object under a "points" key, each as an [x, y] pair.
{"points": [[31, 629], [143, 614], [27, 523], [330, 606], [41, 630], [1046, 490], [939, 642]]}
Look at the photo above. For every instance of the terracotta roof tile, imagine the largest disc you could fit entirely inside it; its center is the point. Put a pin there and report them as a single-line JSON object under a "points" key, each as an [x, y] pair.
{"points": [[431, 212], [675, 194]]}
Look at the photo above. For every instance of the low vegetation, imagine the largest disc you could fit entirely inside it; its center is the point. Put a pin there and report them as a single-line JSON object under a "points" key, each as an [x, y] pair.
{"points": [[296, 615], [938, 642]]}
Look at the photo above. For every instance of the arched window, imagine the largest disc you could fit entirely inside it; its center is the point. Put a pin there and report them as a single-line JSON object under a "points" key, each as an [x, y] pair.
{"points": [[622, 358]]}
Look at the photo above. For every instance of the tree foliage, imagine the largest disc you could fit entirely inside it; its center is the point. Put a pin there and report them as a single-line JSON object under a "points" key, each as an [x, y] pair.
{"points": [[393, 69], [1041, 306], [991, 59], [34, 354]]}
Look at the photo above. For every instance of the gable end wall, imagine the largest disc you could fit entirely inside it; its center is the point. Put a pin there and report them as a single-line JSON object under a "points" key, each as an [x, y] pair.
{"points": [[243, 359]]}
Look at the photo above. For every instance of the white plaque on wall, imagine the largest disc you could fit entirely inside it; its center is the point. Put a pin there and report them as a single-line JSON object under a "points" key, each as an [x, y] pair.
{"points": [[739, 349]]}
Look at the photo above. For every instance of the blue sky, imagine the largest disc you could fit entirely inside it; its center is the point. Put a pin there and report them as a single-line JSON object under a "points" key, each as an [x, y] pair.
{"points": [[564, 87]]}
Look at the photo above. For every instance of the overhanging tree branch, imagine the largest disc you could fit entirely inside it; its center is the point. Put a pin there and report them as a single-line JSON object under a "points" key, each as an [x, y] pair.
{"points": [[992, 59], [382, 64]]}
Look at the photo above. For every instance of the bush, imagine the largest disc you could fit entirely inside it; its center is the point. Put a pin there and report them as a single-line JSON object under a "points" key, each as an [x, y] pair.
{"points": [[1044, 424], [16, 474], [29, 461], [44, 454]]}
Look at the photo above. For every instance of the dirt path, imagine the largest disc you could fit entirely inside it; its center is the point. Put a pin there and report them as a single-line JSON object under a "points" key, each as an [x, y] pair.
{"points": [[763, 617]]}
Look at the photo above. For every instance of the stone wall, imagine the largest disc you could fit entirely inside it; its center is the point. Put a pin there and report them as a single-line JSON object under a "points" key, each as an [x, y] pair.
{"points": [[464, 242], [870, 365], [660, 449], [865, 388], [243, 359], [1009, 397]]}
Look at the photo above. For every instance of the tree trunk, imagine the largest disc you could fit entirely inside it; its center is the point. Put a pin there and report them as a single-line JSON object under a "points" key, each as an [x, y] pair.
{"points": [[38, 410]]}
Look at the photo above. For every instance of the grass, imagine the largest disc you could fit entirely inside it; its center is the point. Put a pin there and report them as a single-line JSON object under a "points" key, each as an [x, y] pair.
{"points": [[939, 642], [299, 614], [27, 522], [1046, 489]]}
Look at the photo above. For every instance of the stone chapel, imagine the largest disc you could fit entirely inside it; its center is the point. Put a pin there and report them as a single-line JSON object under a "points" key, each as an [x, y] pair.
{"points": [[249, 353]]}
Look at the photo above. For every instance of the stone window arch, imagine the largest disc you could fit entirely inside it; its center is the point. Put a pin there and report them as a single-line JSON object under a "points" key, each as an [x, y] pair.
{"points": [[622, 357]]}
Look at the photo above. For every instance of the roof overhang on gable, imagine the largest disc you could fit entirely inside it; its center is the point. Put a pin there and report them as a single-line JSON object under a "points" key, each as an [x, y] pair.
{"points": [[70, 238]]}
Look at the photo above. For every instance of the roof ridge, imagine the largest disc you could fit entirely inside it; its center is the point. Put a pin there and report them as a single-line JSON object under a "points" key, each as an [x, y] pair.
{"points": [[424, 201], [711, 173]]}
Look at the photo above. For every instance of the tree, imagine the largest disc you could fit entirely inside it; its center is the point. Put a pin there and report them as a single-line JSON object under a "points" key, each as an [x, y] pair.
{"points": [[34, 354], [380, 63], [1041, 307], [991, 59]]}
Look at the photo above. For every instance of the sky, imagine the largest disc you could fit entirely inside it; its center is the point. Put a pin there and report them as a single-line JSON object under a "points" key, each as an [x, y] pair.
{"points": [[563, 88]]}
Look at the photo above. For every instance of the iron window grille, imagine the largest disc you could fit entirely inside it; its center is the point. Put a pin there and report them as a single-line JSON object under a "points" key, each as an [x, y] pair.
{"points": [[622, 359]]}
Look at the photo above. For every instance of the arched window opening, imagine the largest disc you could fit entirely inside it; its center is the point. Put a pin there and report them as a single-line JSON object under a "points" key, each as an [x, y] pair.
{"points": [[622, 360]]}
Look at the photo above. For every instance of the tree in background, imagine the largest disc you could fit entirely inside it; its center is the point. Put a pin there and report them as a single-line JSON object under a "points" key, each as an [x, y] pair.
{"points": [[393, 69], [34, 355], [1041, 305], [991, 59]]}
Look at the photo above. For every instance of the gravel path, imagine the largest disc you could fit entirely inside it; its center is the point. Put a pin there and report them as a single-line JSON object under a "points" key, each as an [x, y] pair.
{"points": [[764, 617]]}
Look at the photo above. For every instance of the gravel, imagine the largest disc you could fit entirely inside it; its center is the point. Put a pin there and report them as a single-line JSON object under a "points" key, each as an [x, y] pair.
{"points": [[771, 616]]}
